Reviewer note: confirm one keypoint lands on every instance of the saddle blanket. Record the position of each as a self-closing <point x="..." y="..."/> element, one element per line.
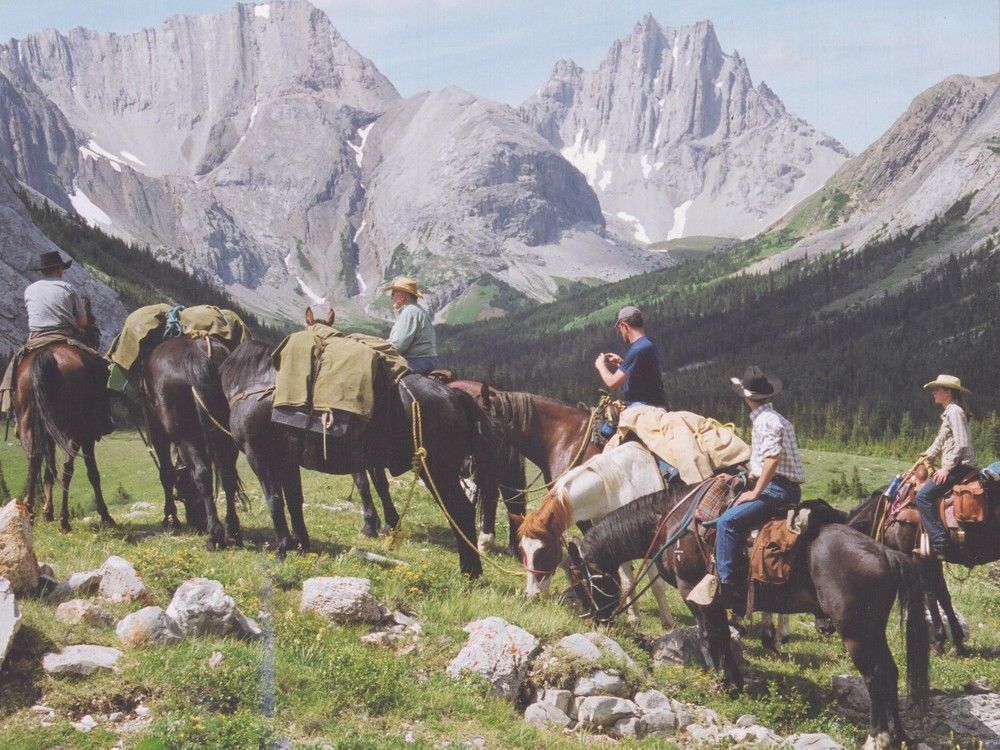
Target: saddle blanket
<point x="321" y="370"/>
<point x="697" y="446"/>
<point x="626" y="473"/>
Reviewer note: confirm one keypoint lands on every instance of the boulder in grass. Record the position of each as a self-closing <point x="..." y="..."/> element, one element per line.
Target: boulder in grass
<point x="498" y="651"/>
<point x="77" y="585"/>
<point x="686" y="646"/>
<point x="342" y="599"/>
<point x="150" y="626"/>
<point x="10" y="618"/>
<point x="202" y="607"/>
<point x="592" y="648"/>
<point x="599" y="711"/>
<point x="546" y="716"/>
<point x="120" y="582"/>
<point x="83" y="612"/>
<point x="18" y="563"/>
<point x="82" y="660"/>
<point x="812" y="741"/>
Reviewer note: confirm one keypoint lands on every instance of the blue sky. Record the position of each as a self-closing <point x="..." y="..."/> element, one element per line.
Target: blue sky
<point x="849" y="67"/>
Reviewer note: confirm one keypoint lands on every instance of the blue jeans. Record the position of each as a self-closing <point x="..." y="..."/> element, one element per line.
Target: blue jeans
<point x="927" y="503"/>
<point x="732" y="527"/>
<point x="422" y="365"/>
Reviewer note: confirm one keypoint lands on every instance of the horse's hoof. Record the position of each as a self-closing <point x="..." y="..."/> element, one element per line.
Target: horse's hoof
<point x="64" y="527"/>
<point x="369" y="531"/>
<point x="938" y="649"/>
<point x="958" y="651"/>
<point x="49" y="516"/>
<point x="108" y="521"/>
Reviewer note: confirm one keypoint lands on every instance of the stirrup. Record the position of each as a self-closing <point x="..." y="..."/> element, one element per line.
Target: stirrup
<point x="705" y="590"/>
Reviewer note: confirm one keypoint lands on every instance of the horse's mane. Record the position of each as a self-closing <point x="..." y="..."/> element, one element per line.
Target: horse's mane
<point x="553" y="516"/>
<point x="249" y="363"/>
<point x="628" y="523"/>
<point x="514" y="408"/>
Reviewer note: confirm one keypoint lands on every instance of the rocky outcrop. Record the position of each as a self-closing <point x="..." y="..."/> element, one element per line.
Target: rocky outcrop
<point x="499" y="652"/>
<point x="18" y="564"/>
<point x="150" y="626"/>
<point x="675" y="138"/>
<point x="202" y="607"/>
<point x="342" y="599"/>
<point x="10" y="618"/>
<point x="82" y="660"/>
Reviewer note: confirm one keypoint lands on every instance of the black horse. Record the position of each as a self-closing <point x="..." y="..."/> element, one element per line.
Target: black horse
<point x="841" y="572"/>
<point x="180" y="395"/>
<point x="373" y="524"/>
<point x="452" y="427"/>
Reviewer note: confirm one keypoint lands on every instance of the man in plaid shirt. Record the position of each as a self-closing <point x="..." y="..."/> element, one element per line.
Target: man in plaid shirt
<point x="776" y="473"/>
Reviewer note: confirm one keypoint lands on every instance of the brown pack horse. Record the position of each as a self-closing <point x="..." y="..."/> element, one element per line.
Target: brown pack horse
<point x="982" y="545"/>
<point x="841" y="572"/>
<point x="60" y="400"/>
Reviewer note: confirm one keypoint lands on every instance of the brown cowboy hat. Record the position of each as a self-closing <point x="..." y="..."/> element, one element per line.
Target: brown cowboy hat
<point x="948" y="381"/>
<point x="756" y="384"/>
<point x="52" y="259"/>
<point x="404" y="284"/>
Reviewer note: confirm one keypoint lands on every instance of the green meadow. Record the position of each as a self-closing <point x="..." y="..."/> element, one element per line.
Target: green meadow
<point x="313" y="684"/>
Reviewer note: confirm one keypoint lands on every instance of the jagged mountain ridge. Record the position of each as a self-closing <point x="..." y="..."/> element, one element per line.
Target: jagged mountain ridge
<point x="233" y="144"/>
<point x="939" y="158"/>
<point x="675" y="138"/>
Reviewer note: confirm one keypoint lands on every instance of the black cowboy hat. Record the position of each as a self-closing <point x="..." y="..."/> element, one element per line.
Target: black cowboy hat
<point x="756" y="384"/>
<point x="52" y="259"/>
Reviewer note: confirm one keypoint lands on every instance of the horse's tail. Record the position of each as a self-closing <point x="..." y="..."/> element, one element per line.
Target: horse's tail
<point x="212" y="408"/>
<point x="43" y="375"/>
<point x="486" y="451"/>
<point x="911" y="611"/>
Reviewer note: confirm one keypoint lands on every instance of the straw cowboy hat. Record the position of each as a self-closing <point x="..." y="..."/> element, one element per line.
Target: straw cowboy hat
<point x="948" y="381"/>
<point x="50" y="260"/>
<point x="756" y="384"/>
<point x="404" y="284"/>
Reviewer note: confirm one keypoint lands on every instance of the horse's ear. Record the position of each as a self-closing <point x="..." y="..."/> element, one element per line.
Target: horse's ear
<point x="516" y="518"/>
<point x="330" y="315"/>
<point x="310" y="318"/>
<point x="484" y="394"/>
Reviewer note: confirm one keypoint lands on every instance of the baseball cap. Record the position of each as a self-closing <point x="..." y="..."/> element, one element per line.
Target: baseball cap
<point x="625" y="313"/>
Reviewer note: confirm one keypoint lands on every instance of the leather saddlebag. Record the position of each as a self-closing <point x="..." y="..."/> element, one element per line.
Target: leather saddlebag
<point x="773" y="553"/>
<point x="970" y="502"/>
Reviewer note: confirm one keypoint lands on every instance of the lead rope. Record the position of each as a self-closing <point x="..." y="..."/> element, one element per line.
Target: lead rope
<point x="419" y="463"/>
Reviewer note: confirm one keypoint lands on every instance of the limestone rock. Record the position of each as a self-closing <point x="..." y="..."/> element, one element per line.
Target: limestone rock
<point x="850" y="692"/>
<point x="546" y="715"/>
<point x="342" y="599"/>
<point x="18" y="563"/>
<point x="77" y="585"/>
<point x="686" y="646"/>
<point x="561" y="699"/>
<point x="601" y="683"/>
<point x="661" y="721"/>
<point x="498" y="651"/>
<point x="120" y="582"/>
<point x="651" y="700"/>
<point x="83" y="612"/>
<point x="10" y="618"/>
<point x="593" y="648"/>
<point x="632" y="727"/>
<point x="202" y="607"/>
<point x="601" y="711"/>
<point x="150" y="626"/>
<point x="812" y="741"/>
<point x="85" y="724"/>
<point x="81" y="660"/>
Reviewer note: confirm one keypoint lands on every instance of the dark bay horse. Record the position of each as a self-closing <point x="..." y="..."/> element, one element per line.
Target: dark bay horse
<point x="841" y="572"/>
<point x="453" y="428"/>
<point x="60" y="400"/>
<point x="982" y="546"/>
<point x="175" y="375"/>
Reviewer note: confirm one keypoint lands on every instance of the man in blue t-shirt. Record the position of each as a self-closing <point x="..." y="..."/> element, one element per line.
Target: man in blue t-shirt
<point x="639" y="371"/>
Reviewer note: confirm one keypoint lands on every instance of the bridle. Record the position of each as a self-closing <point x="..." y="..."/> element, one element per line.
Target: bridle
<point x="591" y="587"/>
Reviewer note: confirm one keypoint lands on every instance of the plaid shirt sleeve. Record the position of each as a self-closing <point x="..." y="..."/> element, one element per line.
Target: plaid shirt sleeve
<point x="769" y="436"/>
<point x="961" y="441"/>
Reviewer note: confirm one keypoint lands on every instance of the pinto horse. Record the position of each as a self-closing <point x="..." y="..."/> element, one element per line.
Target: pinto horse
<point x="175" y="376"/>
<point x="982" y="545"/>
<point x="841" y="572"/>
<point x="60" y="399"/>
<point x="453" y="428"/>
<point x="581" y="495"/>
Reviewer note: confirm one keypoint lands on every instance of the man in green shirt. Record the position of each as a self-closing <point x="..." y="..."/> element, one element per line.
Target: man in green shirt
<point x="413" y="333"/>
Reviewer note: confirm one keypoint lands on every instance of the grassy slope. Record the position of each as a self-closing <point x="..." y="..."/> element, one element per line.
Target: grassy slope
<point x="329" y="688"/>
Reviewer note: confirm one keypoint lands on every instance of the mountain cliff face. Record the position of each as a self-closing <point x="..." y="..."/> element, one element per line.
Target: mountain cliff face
<point x="20" y="246"/>
<point x="235" y="146"/>
<point x="940" y="161"/>
<point x="677" y="141"/>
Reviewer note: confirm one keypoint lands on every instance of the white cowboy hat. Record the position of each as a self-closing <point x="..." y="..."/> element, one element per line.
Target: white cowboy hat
<point x="948" y="381"/>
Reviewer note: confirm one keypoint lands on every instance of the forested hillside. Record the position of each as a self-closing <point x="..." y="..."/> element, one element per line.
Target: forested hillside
<point x="851" y="338"/>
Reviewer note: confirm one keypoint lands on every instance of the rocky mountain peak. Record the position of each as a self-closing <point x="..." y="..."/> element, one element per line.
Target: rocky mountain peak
<point x="675" y="138"/>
